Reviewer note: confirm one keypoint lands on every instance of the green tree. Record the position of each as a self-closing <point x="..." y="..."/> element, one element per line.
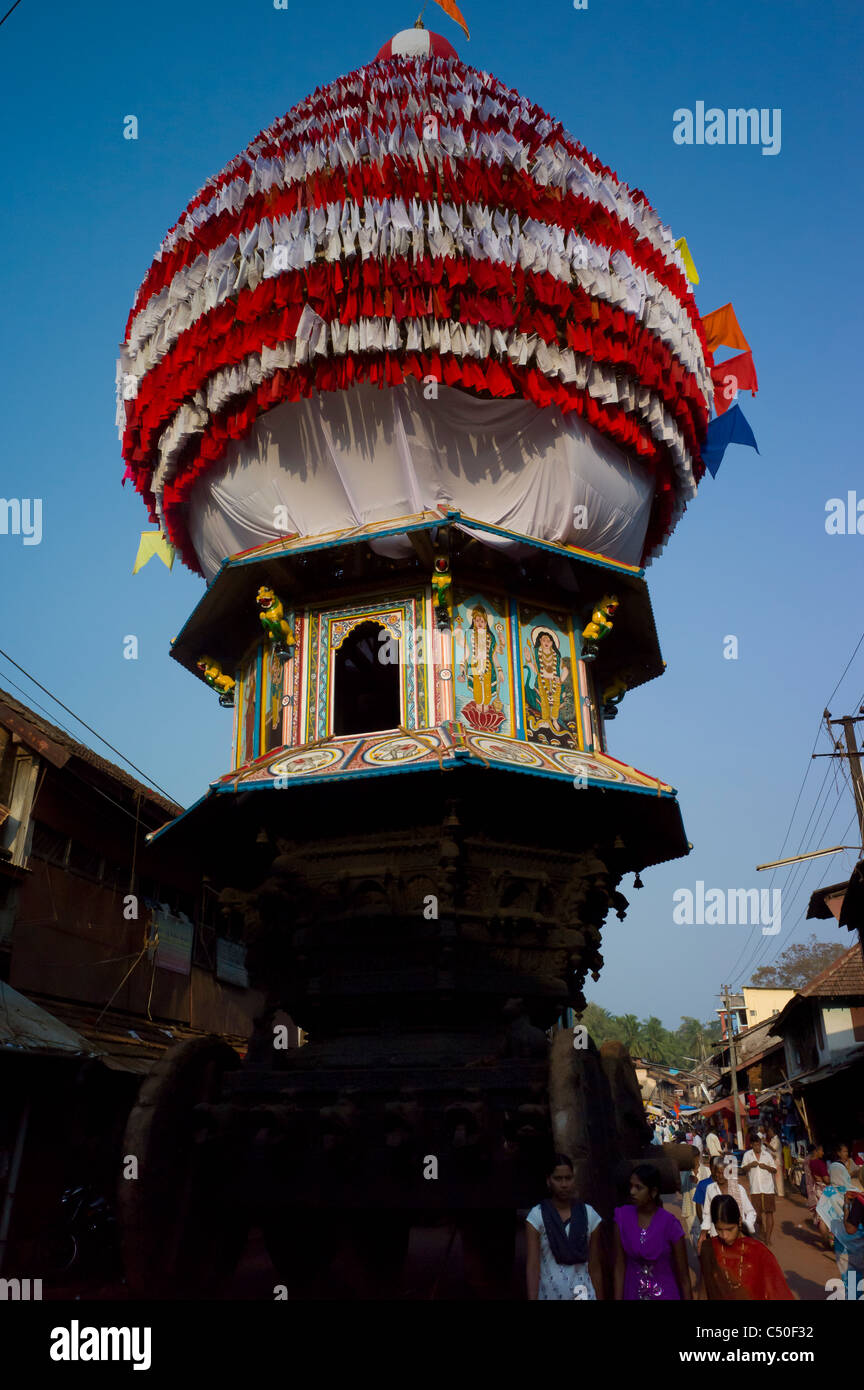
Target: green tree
<point x="686" y="1038"/>
<point x="691" y="1040"/>
<point x="798" y="965"/>
<point x="655" y="1040"/>
<point x="629" y="1031"/>
<point x="600" y="1023"/>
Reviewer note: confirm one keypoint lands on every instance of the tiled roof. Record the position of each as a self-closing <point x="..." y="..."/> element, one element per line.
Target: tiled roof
<point x="127" y="1042"/>
<point x="844" y="976"/>
<point x="80" y="750"/>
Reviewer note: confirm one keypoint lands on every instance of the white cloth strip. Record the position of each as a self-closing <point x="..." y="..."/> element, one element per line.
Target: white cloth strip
<point x="387" y="228"/>
<point x="311" y="147"/>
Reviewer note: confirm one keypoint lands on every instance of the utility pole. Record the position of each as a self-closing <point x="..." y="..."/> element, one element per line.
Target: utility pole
<point x="733" y="1062"/>
<point x="853" y="753"/>
<point x="855" y="767"/>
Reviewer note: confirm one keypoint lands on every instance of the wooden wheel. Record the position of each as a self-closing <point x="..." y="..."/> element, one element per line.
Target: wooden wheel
<point x="181" y="1232"/>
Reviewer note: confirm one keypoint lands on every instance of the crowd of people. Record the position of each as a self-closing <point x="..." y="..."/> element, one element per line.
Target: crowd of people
<point x="719" y="1250"/>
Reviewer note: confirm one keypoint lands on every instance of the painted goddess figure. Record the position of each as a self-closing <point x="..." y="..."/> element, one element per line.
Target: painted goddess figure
<point x="544" y="681"/>
<point x="480" y="672"/>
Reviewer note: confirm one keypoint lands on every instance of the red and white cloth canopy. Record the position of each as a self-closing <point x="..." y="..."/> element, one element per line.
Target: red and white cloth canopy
<point x="416" y="218"/>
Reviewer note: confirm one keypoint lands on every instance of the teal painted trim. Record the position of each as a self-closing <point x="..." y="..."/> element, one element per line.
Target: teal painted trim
<point x="333" y="543"/>
<point x="169" y="825"/>
<point x="469" y="523"/>
<point x="518" y="688"/>
<point x="586" y="558"/>
<point x="452" y="758"/>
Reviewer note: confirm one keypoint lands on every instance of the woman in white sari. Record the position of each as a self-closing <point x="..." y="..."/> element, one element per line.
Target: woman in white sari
<point x="841" y="1216"/>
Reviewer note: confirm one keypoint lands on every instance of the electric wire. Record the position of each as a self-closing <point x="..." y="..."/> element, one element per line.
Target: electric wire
<point x="9" y="11"/>
<point x="88" y="727"/>
<point x="759" y="953"/>
<point x="762" y="956"/>
<point x="744" y="951"/>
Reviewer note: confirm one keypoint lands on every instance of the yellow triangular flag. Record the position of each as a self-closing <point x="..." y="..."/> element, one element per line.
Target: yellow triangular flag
<point x="690" y="269"/>
<point x="153" y="543"/>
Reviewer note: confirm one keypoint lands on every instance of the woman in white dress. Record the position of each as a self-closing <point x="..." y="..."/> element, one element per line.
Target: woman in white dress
<point x="562" y="1245"/>
<point x="725" y="1184"/>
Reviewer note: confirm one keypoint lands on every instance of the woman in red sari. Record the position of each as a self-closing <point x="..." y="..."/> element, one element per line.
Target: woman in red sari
<point x="736" y="1267"/>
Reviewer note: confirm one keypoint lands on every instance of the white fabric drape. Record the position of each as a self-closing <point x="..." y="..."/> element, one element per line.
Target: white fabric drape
<point x="364" y="456"/>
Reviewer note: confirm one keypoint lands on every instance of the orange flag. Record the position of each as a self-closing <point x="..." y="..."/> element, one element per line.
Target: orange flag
<point x="449" y="8"/>
<point x="723" y="330"/>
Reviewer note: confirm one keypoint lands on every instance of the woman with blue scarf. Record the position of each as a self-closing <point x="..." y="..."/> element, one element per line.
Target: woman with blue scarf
<point x="562" y="1245"/>
<point x="840" y="1213"/>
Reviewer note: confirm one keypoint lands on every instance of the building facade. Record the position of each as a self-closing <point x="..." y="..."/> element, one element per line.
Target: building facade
<point x="110" y="953"/>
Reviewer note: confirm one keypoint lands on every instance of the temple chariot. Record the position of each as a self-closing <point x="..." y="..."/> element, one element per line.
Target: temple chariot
<point x="418" y="386"/>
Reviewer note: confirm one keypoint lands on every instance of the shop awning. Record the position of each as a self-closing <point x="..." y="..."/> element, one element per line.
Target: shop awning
<point x="724" y="1104"/>
<point x="122" y="1042"/>
<point x="127" y="1042"/>
<point x="25" y="1027"/>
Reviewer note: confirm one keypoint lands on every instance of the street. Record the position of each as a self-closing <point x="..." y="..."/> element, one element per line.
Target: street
<point x="433" y="1267"/>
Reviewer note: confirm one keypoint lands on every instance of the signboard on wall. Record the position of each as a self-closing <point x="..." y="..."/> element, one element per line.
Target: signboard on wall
<point x="231" y="963"/>
<point x="173" y="941"/>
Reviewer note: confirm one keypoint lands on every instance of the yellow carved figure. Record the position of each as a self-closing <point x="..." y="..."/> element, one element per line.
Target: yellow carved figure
<point x="214" y="675"/>
<point x="601" y="619"/>
<point x="272" y="616"/>
<point x="614" y="693"/>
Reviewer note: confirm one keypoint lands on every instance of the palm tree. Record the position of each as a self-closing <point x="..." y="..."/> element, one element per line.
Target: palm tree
<point x="599" y="1022"/>
<point x="630" y="1030"/>
<point x="684" y="1043"/>
<point x="655" y="1040"/>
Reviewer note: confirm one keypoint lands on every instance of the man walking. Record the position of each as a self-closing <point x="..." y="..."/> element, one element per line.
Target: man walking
<point x="776" y="1147"/>
<point x="715" y="1148"/>
<point x="760" y="1168"/>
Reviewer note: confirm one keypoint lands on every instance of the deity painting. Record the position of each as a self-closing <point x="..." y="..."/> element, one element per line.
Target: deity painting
<point x="481" y="664"/>
<point x="274" y="710"/>
<point x="550" y="714"/>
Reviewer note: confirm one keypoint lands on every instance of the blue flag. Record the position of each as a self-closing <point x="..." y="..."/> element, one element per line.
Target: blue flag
<point x="729" y="428"/>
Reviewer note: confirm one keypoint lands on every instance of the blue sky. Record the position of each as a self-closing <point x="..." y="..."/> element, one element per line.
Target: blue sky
<point x="83" y="211"/>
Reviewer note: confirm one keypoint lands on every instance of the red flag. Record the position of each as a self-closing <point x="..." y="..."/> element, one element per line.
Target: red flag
<point x="722" y="329"/>
<point x="735" y="374"/>
<point x="449" y="8"/>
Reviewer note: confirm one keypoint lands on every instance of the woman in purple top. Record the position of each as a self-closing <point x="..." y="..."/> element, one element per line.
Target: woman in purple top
<point x="650" y="1255"/>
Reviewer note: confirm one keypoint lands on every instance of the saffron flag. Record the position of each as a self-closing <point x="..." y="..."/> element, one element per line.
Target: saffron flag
<point x="153" y="543"/>
<point x="735" y="374"/>
<point x="729" y="428"/>
<point x="450" y="8"/>
<point x="689" y="267"/>
<point x="723" y="330"/>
